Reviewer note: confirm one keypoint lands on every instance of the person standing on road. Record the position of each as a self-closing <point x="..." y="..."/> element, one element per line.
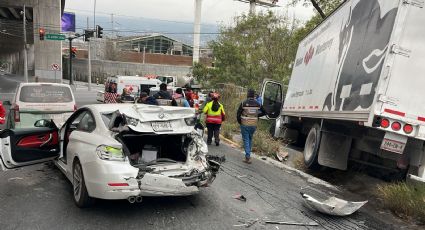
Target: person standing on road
<point x="180" y="100"/>
<point x="163" y="97"/>
<point x="2" y="114"/>
<point x="247" y="116"/>
<point x="215" y="116"/>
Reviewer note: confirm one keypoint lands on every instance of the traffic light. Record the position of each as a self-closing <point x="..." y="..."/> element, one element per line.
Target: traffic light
<point x="73" y="52"/>
<point x="99" y="31"/>
<point x="88" y="34"/>
<point x="41" y="32"/>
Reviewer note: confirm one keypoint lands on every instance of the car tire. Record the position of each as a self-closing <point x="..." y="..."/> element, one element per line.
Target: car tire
<point x="79" y="189"/>
<point x="311" y="148"/>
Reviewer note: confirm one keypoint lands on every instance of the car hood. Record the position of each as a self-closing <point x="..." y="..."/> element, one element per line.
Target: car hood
<point x="139" y="118"/>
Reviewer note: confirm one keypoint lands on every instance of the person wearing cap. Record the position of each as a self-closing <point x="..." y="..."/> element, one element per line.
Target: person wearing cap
<point x="247" y="116"/>
<point x="214" y="111"/>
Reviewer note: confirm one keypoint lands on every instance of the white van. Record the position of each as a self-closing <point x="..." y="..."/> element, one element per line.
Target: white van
<point x="115" y="85"/>
<point x="35" y="101"/>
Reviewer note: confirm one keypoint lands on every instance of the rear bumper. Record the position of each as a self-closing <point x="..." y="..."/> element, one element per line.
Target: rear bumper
<point x="99" y="176"/>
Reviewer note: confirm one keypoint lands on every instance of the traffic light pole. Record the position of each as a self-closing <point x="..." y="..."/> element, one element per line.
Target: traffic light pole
<point x="71" y="80"/>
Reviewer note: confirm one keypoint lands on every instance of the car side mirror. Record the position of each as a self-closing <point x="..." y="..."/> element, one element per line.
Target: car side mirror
<point x="43" y="123"/>
<point x="7" y="103"/>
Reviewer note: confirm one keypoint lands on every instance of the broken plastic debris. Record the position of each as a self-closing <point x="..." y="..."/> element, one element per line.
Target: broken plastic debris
<point x="291" y="223"/>
<point x="240" y="197"/>
<point x="282" y="156"/>
<point x="332" y="206"/>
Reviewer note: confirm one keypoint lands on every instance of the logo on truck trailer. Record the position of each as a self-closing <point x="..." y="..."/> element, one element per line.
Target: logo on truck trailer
<point x="309" y="55"/>
<point x="363" y="41"/>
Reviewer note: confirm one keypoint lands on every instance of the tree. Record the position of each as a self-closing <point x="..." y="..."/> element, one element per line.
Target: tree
<point x="323" y="7"/>
<point x="201" y="73"/>
<point x="257" y="47"/>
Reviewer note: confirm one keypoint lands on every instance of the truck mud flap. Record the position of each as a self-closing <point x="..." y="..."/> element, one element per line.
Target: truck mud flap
<point x="334" y="149"/>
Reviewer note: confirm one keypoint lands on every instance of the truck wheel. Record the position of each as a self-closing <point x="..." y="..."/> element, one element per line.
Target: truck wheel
<point x="311" y="148"/>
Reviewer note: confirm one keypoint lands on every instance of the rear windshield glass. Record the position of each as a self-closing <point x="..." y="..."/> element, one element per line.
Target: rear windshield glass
<point x="45" y="94"/>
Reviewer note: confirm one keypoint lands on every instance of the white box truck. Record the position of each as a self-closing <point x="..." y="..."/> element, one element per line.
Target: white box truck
<point x="357" y="89"/>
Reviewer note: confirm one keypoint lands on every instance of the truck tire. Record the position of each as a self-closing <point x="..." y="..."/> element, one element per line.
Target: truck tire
<point x="311" y="148"/>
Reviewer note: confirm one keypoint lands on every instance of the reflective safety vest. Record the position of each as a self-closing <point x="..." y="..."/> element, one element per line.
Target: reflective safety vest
<point x="249" y="115"/>
<point x="214" y="117"/>
<point x="164" y="102"/>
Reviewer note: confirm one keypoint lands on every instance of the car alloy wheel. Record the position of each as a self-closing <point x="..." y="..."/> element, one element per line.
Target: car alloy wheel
<point x="77" y="181"/>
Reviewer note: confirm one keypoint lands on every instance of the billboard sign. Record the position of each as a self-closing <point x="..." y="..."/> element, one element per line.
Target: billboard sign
<point x="267" y="2"/>
<point x="68" y="22"/>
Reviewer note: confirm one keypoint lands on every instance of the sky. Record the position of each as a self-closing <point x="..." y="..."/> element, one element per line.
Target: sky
<point x="213" y="11"/>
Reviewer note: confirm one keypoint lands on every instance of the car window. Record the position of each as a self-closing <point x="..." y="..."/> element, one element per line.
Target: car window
<point x="45" y="94"/>
<point x="86" y="123"/>
<point x="106" y="118"/>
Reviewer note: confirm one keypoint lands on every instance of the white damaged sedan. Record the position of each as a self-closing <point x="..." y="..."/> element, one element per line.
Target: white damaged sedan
<point x="118" y="151"/>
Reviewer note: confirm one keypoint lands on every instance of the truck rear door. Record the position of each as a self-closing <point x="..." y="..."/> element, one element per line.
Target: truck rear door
<point x="403" y="99"/>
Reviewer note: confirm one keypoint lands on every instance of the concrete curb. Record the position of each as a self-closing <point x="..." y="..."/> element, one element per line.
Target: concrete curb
<point x="275" y="163"/>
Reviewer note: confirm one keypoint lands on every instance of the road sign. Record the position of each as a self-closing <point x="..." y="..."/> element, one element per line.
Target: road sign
<point x="56" y="67"/>
<point x="57" y="37"/>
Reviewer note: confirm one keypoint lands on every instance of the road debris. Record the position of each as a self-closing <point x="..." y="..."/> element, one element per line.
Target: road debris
<point x="263" y="158"/>
<point x="282" y="156"/>
<point x="241" y="176"/>
<point x="15" y="178"/>
<point x="291" y="223"/>
<point x="332" y="206"/>
<point x="246" y="224"/>
<point x="240" y="197"/>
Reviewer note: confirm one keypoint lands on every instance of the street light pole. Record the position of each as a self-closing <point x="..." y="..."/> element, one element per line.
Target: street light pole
<point x="25" y="46"/>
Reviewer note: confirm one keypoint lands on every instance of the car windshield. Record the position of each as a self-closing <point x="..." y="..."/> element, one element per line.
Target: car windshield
<point x="45" y="94"/>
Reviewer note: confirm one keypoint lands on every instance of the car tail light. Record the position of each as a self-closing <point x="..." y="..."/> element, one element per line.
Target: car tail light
<point x="75" y="107"/>
<point x="117" y="184"/>
<point x="385" y="123"/>
<point x="16" y="114"/>
<point x="408" y="128"/>
<point x="396" y="126"/>
<point x="110" y="153"/>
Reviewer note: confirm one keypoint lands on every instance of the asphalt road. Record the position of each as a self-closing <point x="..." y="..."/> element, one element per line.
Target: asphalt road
<point x="40" y="197"/>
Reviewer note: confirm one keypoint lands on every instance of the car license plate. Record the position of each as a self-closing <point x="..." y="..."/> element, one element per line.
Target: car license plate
<point x="394" y="143"/>
<point x="162" y="126"/>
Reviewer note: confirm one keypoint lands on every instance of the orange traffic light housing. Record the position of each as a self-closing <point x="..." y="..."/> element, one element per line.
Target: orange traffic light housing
<point x="41" y="32"/>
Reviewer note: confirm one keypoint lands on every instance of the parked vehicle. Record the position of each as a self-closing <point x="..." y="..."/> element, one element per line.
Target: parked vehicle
<point x="356" y="90"/>
<point x="134" y="151"/>
<point x="179" y="81"/>
<point x="35" y="101"/>
<point x="115" y="85"/>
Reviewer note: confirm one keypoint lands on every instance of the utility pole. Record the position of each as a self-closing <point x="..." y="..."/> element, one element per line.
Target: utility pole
<point x="25" y="46"/>
<point x="144" y="54"/>
<point x="197" y="30"/>
<point x="252" y="6"/>
<point x="113" y="26"/>
<point x="89" y="64"/>
<point x="94" y="26"/>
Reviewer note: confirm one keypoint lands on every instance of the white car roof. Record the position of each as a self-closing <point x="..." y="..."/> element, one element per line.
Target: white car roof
<point x="42" y="83"/>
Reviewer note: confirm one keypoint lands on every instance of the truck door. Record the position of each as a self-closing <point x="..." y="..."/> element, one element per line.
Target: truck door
<point x="22" y="147"/>
<point x="272" y="95"/>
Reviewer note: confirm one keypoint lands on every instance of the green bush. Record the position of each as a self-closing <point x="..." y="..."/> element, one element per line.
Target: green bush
<point x="404" y="200"/>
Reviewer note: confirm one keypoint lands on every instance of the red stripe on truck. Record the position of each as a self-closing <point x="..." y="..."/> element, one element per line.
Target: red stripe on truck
<point x="421" y="119"/>
<point x="395" y="112"/>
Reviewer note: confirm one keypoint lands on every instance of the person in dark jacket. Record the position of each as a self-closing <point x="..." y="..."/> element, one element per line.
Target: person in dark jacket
<point x="163" y="93"/>
<point x="247" y="116"/>
<point x="146" y="99"/>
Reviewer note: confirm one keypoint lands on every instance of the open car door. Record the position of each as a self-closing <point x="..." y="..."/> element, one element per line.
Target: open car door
<point x="22" y="147"/>
<point x="272" y="95"/>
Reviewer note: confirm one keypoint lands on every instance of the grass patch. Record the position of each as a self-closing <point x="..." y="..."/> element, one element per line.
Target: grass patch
<point x="406" y="201"/>
<point x="264" y="144"/>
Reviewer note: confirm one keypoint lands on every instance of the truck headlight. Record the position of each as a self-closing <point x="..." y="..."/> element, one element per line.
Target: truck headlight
<point x="110" y="153"/>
